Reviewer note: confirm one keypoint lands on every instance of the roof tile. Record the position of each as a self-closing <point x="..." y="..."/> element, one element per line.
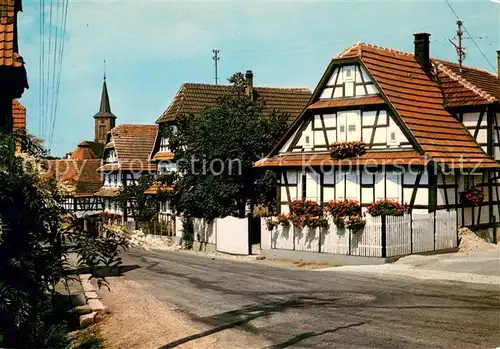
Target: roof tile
<point x="193" y="98"/>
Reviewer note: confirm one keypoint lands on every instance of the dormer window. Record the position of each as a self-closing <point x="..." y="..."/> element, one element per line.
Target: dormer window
<point x="111" y="156"/>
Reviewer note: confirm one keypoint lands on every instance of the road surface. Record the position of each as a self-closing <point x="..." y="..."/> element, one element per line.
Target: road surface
<point x="255" y="305"/>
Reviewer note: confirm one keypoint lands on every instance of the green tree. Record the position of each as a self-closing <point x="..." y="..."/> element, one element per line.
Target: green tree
<point x="142" y="206"/>
<point x="215" y="151"/>
<point x="37" y="238"/>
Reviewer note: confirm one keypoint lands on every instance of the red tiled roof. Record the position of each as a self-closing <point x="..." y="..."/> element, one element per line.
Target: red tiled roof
<point x="471" y="86"/>
<point x="324" y="159"/>
<point x="346" y="102"/>
<point x="193" y="98"/>
<point x="80" y="176"/>
<point x="128" y="166"/>
<point x="83" y="151"/>
<point x="8" y="16"/>
<point x="419" y="102"/>
<point x="133" y="145"/>
<point x="19" y="115"/>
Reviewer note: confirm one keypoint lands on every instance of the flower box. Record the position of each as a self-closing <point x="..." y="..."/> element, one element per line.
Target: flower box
<point x="386" y="207"/>
<point x="472" y="197"/>
<point x="345" y="150"/>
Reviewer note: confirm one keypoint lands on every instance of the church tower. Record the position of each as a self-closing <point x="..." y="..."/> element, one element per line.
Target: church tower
<point x="104" y="120"/>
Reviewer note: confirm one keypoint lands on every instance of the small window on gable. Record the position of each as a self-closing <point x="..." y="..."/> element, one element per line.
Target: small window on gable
<point x="352" y="128"/>
<point x="348" y="74"/>
<point x="342" y="128"/>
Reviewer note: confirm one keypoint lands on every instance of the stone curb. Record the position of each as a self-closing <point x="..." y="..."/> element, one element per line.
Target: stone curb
<point x="92" y="298"/>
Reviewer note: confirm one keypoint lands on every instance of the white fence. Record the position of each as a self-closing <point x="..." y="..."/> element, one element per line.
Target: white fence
<point x="381" y="237"/>
<point x="228" y="234"/>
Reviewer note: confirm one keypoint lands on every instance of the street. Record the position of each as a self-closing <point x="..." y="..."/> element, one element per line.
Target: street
<point x="253" y="305"/>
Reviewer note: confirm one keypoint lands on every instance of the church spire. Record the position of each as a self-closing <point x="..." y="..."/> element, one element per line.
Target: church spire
<point x="104" y="119"/>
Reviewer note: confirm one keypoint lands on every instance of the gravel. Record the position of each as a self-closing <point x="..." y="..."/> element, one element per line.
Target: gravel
<point x="140" y="321"/>
<point x="470" y="242"/>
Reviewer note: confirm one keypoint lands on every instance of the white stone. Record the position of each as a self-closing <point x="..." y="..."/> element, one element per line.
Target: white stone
<point x="87" y="319"/>
<point x="96" y="305"/>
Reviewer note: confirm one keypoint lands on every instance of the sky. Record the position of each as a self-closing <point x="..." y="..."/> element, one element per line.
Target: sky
<point x="152" y="47"/>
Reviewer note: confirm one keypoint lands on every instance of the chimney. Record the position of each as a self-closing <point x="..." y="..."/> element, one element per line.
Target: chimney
<point x="422" y="54"/>
<point x="498" y="64"/>
<point x="249" y="86"/>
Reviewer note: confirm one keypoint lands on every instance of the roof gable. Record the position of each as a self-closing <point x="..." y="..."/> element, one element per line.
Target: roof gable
<point x="417" y="101"/>
<point x="193" y="98"/>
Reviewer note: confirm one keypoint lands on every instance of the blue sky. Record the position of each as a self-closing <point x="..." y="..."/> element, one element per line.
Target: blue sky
<point x="152" y="47"/>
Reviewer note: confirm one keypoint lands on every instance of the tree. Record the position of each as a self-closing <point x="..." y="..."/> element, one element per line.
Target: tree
<point x="215" y="151"/>
<point x="34" y="250"/>
<point x="142" y="206"/>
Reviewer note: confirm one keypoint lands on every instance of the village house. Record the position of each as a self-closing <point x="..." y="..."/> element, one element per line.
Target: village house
<point x="426" y="131"/>
<point x="193" y="98"/>
<point x="13" y="79"/>
<point x="125" y="160"/>
<point x="431" y="132"/>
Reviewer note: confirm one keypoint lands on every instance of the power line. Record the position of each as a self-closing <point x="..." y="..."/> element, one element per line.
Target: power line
<point x="59" y="58"/>
<point x="471" y="37"/>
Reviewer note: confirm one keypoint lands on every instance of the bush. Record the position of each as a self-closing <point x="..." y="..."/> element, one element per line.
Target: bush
<point x="387" y="208"/>
<point x="188" y="231"/>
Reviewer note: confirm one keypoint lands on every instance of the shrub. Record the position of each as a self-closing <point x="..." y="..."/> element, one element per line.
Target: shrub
<point x="387" y="208"/>
<point x="344" y="150"/>
<point x="187" y="231"/>
<point x="279" y="219"/>
<point x="472" y="197"/>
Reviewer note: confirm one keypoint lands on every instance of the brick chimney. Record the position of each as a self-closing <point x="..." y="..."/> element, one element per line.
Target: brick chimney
<point x="422" y="51"/>
<point x="498" y="64"/>
<point x="249" y="86"/>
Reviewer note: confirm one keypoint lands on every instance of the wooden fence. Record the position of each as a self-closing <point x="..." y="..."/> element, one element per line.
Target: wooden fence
<point x="381" y="237"/>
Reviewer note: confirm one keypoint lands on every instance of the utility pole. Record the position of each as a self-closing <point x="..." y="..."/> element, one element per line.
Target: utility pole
<point x="216" y="60"/>
<point x="460" y="49"/>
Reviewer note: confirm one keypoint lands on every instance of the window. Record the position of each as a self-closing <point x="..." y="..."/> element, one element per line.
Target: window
<point x="348" y="74"/>
<point x="352" y="128"/>
<point x="164" y="145"/>
<point x="102" y="131"/>
<point x="342" y="128"/>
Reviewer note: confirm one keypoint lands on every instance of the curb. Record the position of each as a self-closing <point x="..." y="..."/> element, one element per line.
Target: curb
<point x="93" y="302"/>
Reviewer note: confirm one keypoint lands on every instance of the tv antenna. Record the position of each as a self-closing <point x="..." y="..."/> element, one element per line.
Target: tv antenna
<point x="216" y="60"/>
<point x="458" y="45"/>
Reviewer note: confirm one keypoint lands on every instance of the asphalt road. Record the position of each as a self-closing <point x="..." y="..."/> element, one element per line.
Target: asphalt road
<point x="289" y="308"/>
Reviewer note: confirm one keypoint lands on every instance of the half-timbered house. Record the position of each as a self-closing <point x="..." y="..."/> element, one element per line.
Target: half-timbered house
<point x="79" y="180"/>
<point x="193" y="98"/>
<point x="430" y="131"/>
<point x="125" y="159"/>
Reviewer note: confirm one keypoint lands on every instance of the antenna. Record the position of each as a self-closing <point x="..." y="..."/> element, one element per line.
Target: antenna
<point x="458" y="46"/>
<point x="216" y="60"/>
